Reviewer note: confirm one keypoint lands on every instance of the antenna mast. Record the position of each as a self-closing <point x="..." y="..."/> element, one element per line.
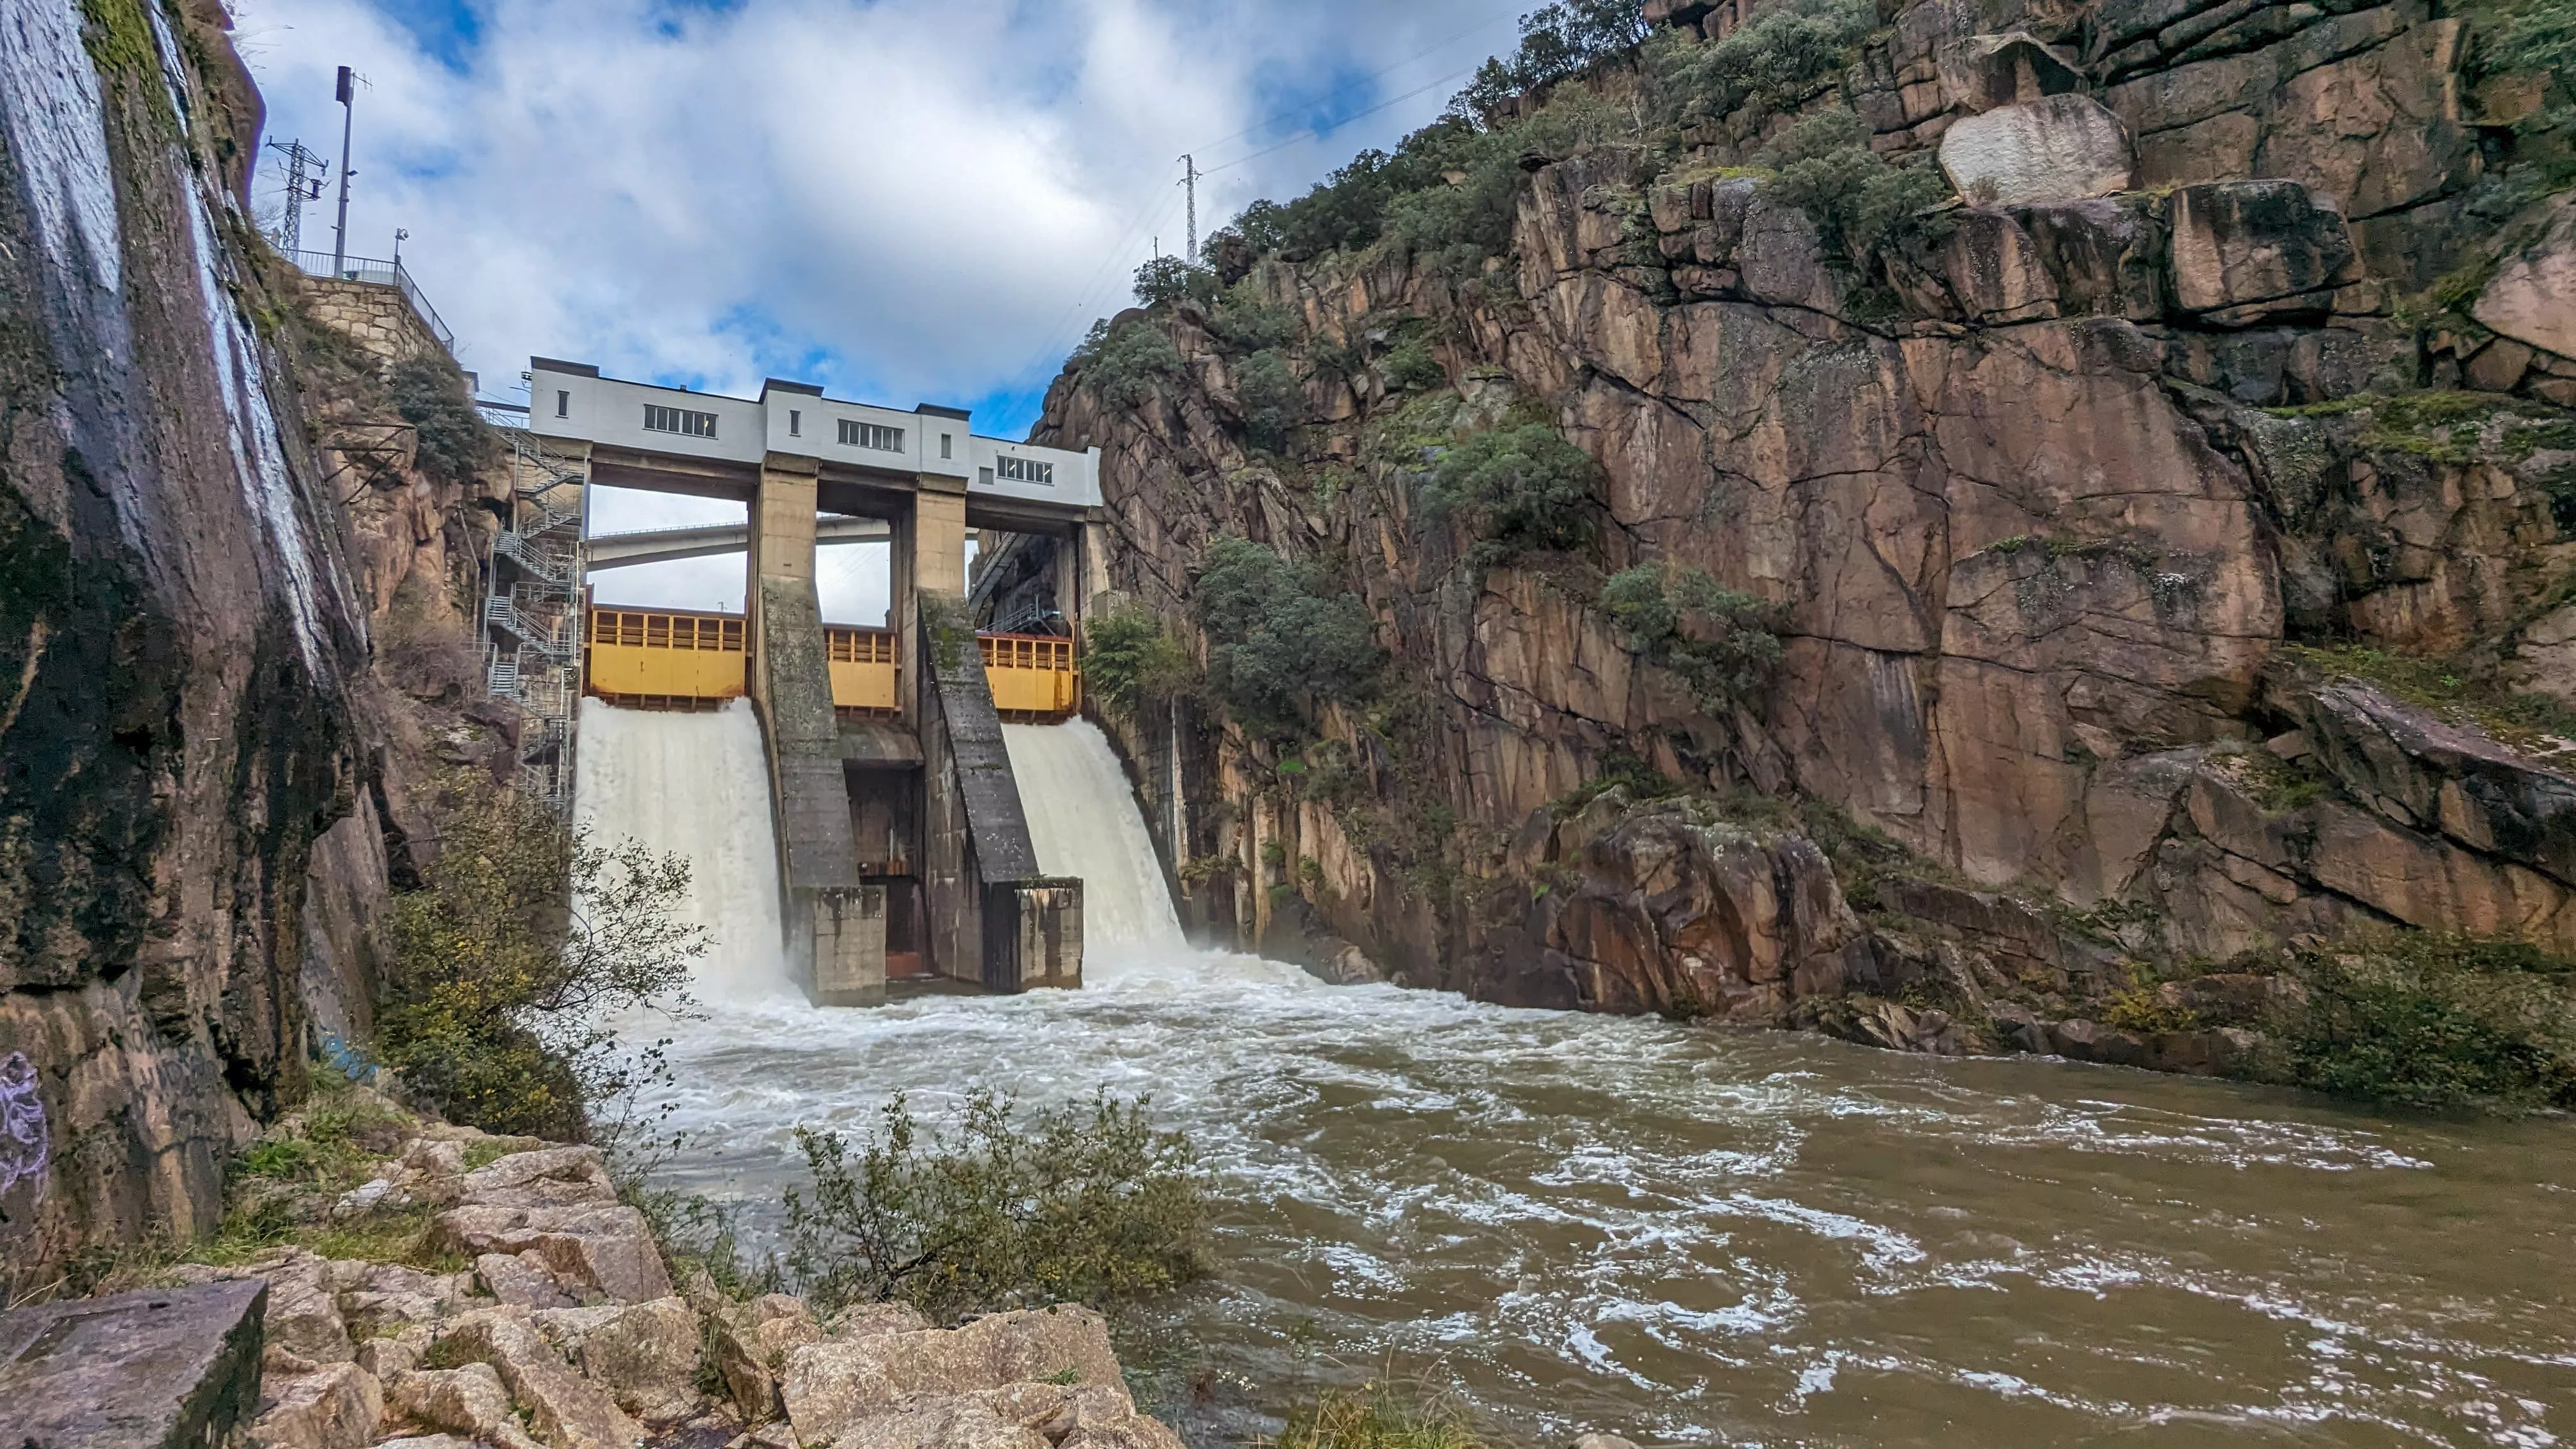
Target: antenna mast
<point x="1190" y="178"/>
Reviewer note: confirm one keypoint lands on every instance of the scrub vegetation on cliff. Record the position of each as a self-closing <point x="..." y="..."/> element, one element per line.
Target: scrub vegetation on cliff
<point x="2159" y="569"/>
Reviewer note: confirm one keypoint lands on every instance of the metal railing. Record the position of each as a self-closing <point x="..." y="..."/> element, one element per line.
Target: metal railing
<point x="383" y="274"/>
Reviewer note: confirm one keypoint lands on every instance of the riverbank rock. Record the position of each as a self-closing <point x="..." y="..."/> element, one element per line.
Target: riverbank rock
<point x="177" y="1367"/>
<point x="1009" y="1380"/>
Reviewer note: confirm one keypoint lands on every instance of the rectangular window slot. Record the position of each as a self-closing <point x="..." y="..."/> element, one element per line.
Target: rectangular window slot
<point x="563" y="404"/>
<point x="795" y="423"/>
<point x="869" y="435"/>
<point x="945" y="440"/>
<point x="679" y="420"/>
<point x="1025" y="470"/>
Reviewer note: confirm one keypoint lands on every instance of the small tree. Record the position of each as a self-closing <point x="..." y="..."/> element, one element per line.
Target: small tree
<point x="1281" y="633"/>
<point x="1131" y="662"/>
<point x="1722" y="642"/>
<point x="509" y="963"/>
<point x="454" y="440"/>
<point x="1082" y="1207"/>
<point x="1174" y="279"/>
<point x="1272" y="400"/>
<point x="1534" y="490"/>
<point x="1130" y="362"/>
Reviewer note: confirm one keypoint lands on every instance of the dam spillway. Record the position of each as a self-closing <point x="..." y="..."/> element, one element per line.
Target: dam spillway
<point x="695" y="785"/>
<point x="1085" y="824"/>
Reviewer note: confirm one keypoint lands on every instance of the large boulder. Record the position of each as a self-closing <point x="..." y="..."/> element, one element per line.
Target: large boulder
<point x="2058" y="148"/>
<point x="2245" y="250"/>
<point x="469" y="1400"/>
<point x="565" y="1409"/>
<point x="2532" y="296"/>
<point x="164" y="1368"/>
<point x="335" y="1407"/>
<point x="837" y="1384"/>
<point x="604" y="1246"/>
<point x="646" y="1354"/>
<point x="2428" y="772"/>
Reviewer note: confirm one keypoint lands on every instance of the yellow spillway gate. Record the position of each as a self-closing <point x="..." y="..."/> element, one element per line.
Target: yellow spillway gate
<point x="1034" y="676"/>
<point x="866" y="683"/>
<point x="664" y="659"/>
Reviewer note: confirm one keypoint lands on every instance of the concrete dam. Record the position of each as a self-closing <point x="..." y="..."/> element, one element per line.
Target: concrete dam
<point x="848" y="796"/>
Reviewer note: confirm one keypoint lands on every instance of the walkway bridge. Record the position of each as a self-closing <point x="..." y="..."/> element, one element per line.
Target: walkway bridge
<point x="903" y="845"/>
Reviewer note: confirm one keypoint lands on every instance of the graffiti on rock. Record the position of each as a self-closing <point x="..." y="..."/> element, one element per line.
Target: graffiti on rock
<point x="26" y="1140"/>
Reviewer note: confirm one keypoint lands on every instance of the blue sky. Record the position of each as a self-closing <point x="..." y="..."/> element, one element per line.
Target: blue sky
<point x="904" y="201"/>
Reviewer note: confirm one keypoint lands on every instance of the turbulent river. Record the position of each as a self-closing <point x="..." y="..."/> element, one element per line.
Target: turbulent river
<point x="1688" y="1235"/>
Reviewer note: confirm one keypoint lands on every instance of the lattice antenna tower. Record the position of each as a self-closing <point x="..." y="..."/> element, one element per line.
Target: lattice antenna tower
<point x="1190" y="174"/>
<point x="305" y="173"/>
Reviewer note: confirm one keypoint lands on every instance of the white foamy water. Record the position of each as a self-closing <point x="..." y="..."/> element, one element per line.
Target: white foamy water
<point x="696" y="785"/>
<point x="1696" y="1236"/>
<point x="1084" y="822"/>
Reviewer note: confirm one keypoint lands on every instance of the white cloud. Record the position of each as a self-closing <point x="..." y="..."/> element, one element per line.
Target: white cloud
<point x="905" y="201"/>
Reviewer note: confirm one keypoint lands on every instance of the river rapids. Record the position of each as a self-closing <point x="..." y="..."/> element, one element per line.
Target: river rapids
<point x="1682" y="1235"/>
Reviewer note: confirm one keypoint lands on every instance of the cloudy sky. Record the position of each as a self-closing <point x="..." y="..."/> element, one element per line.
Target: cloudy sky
<point x="904" y="201"/>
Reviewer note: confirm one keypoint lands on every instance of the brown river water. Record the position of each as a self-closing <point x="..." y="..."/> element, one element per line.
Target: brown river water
<point x="1679" y="1234"/>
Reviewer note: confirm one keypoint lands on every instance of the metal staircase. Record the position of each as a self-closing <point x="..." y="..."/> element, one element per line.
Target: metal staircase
<point x="531" y="624"/>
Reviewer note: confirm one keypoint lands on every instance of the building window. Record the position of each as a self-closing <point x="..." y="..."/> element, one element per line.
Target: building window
<point x="1025" y="470"/>
<point x="679" y="420"/>
<point x="563" y="404"/>
<point x="944" y="441"/>
<point x="795" y="423"/>
<point x="869" y="435"/>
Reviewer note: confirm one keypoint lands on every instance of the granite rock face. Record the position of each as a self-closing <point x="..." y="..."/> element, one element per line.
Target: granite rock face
<point x="2040" y="535"/>
<point x="207" y="578"/>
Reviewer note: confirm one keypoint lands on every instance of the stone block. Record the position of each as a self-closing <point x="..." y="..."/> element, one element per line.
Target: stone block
<point x="2237" y="244"/>
<point x="2532" y="297"/>
<point x="2060" y="148"/>
<point x="834" y="1386"/>
<point x="336" y="1407"/>
<point x="154" y="1370"/>
<point x="1987" y="72"/>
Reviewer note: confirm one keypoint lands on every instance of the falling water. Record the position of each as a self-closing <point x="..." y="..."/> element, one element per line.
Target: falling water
<point x="696" y="785"/>
<point x="1698" y="1236"/>
<point x="1084" y="822"/>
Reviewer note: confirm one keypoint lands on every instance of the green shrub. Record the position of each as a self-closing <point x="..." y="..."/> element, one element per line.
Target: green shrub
<point x="1410" y="367"/>
<point x="1174" y="279"/>
<point x="1531" y="488"/>
<point x="1784" y="56"/>
<point x="1132" y="663"/>
<point x="2438" y="1022"/>
<point x="507" y="964"/>
<point x="1245" y="324"/>
<point x="1272" y="400"/>
<point x="1859" y="200"/>
<point x="1280" y="634"/>
<point x="1723" y="643"/>
<point x="1557" y="42"/>
<point x="1129" y="363"/>
<point x="1080" y="1207"/>
<point x="454" y="440"/>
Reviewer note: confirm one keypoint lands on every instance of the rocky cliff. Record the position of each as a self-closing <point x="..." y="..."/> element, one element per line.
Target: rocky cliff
<point x="199" y="764"/>
<point x="2108" y="501"/>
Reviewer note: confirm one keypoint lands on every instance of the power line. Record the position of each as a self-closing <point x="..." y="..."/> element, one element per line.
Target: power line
<point x="1361" y="84"/>
<point x="1317" y="133"/>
